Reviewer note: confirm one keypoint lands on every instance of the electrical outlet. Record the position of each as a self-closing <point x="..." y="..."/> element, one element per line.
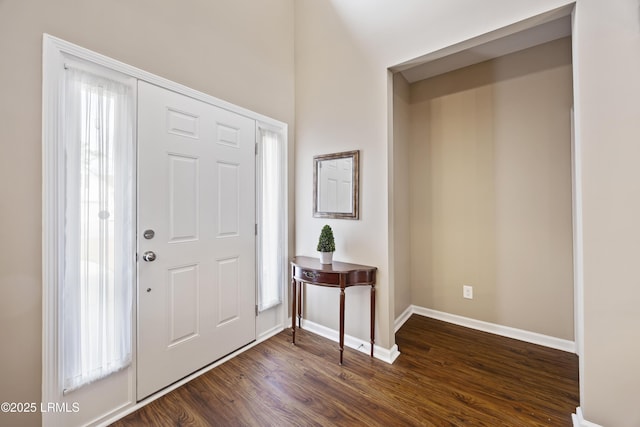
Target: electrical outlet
<point x="467" y="291"/>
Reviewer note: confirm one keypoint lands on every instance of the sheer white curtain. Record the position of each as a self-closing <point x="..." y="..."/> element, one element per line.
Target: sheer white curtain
<point x="96" y="292"/>
<point x="272" y="267"/>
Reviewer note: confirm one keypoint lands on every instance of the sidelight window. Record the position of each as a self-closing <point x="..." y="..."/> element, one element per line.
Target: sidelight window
<point x="95" y="304"/>
<point x="272" y="213"/>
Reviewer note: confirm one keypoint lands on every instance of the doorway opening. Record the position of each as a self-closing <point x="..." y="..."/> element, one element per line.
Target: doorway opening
<point x="484" y="183"/>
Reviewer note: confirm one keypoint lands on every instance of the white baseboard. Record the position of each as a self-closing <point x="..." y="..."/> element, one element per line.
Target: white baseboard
<point x="579" y="421"/>
<point x="403" y="318"/>
<point x="381" y="353"/>
<point x="269" y="333"/>
<point x="505" y="331"/>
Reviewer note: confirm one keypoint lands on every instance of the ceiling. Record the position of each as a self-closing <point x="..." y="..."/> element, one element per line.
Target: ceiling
<point x="489" y="46"/>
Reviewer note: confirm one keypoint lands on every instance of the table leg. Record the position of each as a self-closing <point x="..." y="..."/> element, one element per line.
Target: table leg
<point x="373" y="316"/>
<point x="301" y="285"/>
<point x="293" y="310"/>
<point x="341" y="323"/>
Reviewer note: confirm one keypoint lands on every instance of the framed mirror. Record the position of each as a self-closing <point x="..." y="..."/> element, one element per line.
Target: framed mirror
<point x="336" y="185"/>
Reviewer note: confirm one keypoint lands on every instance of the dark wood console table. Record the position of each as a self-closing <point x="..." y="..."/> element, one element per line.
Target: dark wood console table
<point x="337" y="275"/>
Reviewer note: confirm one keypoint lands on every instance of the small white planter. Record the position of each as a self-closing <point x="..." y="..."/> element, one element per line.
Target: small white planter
<point x="326" y="257"/>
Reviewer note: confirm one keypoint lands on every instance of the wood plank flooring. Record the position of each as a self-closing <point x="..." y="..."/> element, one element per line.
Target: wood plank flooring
<point x="446" y="375"/>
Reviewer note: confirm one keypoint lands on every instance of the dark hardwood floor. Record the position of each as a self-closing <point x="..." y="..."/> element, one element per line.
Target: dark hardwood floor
<point x="447" y="375"/>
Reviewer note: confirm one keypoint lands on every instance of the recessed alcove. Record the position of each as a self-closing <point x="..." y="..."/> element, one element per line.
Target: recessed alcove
<point x="481" y="166"/>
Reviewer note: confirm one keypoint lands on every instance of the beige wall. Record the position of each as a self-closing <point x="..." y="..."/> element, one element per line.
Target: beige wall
<point x="490" y="185"/>
<point x="401" y="229"/>
<point x="239" y="51"/>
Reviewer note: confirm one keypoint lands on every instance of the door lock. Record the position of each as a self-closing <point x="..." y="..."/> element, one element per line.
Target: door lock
<point x="149" y="256"/>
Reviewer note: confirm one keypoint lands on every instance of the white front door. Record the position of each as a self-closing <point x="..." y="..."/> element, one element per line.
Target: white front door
<point x="196" y="215"/>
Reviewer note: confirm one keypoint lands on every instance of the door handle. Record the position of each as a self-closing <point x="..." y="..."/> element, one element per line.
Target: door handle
<point x="149" y="256"/>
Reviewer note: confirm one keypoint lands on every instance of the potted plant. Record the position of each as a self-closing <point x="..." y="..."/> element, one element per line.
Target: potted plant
<point x="326" y="245"/>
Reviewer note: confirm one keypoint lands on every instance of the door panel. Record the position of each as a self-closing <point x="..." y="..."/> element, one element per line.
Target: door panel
<point x="184" y="198"/>
<point x="228" y="199"/>
<point x="196" y="191"/>
<point x="228" y="301"/>
<point x="184" y="322"/>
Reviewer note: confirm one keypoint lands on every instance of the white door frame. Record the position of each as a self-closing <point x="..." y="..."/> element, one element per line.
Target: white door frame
<point x="54" y="52"/>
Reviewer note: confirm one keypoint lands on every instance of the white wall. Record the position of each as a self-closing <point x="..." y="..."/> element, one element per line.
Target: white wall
<point x="341" y="104"/>
<point x="239" y="51"/>
<point x="607" y="66"/>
